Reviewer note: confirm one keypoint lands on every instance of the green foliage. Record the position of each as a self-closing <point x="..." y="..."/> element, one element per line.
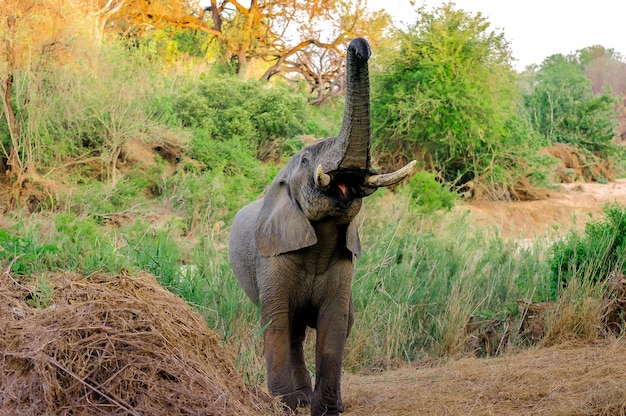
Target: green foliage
<point x="429" y="195"/>
<point x="212" y="269"/>
<point x="173" y="45"/>
<point x="594" y="255"/>
<point x="25" y="255"/>
<point x="216" y="194"/>
<point x="235" y="124"/>
<point x="325" y="120"/>
<point x="84" y="245"/>
<point x="448" y="95"/>
<point x="227" y="108"/>
<point x="155" y="252"/>
<point x="42" y="294"/>
<point x="134" y="188"/>
<point x="564" y="109"/>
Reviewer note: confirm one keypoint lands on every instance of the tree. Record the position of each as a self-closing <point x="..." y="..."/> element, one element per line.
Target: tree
<point x="564" y="108"/>
<point x="304" y="37"/>
<point x="320" y="55"/>
<point x="605" y="67"/>
<point x="447" y="95"/>
<point x="100" y="11"/>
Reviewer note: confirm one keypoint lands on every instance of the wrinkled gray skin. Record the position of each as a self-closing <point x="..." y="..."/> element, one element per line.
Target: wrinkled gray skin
<point x="294" y="250"/>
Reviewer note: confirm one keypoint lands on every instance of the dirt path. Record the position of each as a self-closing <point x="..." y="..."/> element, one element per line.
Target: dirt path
<point x="563" y="380"/>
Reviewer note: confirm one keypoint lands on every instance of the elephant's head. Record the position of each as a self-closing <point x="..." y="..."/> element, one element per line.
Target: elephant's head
<point x="327" y="179"/>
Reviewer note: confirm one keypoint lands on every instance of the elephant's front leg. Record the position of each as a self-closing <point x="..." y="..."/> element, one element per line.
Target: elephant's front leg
<point x="277" y="352"/>
<point x="300" y="373"/>
<point x="332" y="332"/>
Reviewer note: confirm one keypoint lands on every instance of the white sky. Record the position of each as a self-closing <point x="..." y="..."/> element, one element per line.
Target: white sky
<point x="536" y="29"/>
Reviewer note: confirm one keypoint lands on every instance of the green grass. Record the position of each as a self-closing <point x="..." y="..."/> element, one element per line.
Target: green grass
<point x="429" y="274"/>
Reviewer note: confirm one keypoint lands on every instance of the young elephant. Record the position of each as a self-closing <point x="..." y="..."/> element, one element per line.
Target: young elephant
<point x="294" y="250"/>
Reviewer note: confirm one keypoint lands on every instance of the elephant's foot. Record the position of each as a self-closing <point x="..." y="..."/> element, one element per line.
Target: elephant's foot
<point x="300" y="398"/>
<point x="304" y="397"/>
<point x="320" y="407"/>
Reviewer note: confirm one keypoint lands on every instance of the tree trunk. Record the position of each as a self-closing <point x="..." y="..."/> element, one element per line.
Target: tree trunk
<point x="242" y="62"/>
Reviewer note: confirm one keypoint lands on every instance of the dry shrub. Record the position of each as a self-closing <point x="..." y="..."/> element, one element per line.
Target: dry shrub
<point x="577" y="314"/>
<point x="114" y="345"/>
<point x="519" y="190"/>
<point x="602" y="169"/>
<point x="523" y="190"/>
<point x="29" y="192"/>
<point x="577" y="167"/>
<point x="157" y="141"/>
<point x="487" y="337"/>
<point x="585" y="313"/>
<point x="615" y="304"/>
<point x="533" y="324"/>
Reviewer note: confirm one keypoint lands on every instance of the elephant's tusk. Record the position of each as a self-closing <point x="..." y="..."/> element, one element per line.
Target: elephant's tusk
<point x="322" y="180"/>
<point x="392" y="178"/>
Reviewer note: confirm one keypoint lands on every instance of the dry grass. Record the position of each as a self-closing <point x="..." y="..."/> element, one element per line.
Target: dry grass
<point x="568" y="379"/>
<point x="112" y="345"/>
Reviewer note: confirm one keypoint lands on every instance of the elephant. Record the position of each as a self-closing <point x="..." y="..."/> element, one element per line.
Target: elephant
<point x="294" y="250"/>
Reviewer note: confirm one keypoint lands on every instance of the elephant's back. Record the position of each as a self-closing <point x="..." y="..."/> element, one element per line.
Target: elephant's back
<point x="244" y="223"/>
<point x="242" y="248"/>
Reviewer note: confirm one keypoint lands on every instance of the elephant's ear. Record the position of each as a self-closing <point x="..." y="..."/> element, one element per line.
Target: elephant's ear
<point x="353" y="242"/>
<point x="282" y="226"/>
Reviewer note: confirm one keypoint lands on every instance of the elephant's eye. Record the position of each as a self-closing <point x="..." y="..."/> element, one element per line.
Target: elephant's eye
<point x="304" y="160"/>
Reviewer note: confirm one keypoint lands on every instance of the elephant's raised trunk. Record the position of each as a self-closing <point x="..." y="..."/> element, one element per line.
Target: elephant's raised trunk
<point x="355" y="135"/>
<point x="348" y="165"/>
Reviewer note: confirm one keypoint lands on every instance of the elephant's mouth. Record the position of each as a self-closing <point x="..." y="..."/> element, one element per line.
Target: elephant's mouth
<point x="347" y="185"/>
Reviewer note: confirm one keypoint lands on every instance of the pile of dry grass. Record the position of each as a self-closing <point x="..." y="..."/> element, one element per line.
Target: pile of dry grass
<point x="114" y="345"/>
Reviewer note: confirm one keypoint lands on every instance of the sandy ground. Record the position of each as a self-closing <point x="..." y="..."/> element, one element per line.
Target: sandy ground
<point x="569" y="205"/>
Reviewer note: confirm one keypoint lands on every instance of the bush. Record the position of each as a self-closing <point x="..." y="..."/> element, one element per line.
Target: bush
<point x="446" y="95"/>
<point x="325" y="120"/>
<point x="227" y="108"/>
<point x="429" y="195"/>
<point x="85" y="113"/>
<point x="594" y="255"/>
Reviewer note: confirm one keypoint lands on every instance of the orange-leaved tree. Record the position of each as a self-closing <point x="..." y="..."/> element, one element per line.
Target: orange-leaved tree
<point x="305" y="37"/>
